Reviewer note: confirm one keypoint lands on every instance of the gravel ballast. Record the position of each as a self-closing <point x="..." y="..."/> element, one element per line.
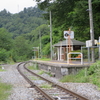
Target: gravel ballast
<point x="21" y="89"/>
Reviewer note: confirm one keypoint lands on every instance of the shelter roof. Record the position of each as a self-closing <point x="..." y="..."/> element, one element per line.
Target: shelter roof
<point x="67" y="42"/>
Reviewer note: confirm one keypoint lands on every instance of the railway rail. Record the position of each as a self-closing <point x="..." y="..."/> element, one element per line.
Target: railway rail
<point x="57" y="92"/>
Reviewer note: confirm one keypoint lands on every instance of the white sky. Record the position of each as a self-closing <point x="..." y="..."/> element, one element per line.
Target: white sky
<point x="15" y="6"/>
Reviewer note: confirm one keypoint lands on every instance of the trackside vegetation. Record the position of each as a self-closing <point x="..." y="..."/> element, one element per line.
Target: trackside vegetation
<point x="34" y="67"/>
<point x="4" y="90"/>
<point x="47" y="86"/>
<point x="90" y="75"/>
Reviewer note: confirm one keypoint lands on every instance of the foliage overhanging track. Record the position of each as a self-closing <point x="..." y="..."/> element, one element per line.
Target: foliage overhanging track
<point x="54" y="84"/>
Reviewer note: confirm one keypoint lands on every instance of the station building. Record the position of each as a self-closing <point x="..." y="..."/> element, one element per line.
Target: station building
<point x="62" y="48"/>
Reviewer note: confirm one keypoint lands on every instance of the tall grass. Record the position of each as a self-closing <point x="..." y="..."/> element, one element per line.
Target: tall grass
<point x="92" y="75"/>
<point x="4" y="91"/>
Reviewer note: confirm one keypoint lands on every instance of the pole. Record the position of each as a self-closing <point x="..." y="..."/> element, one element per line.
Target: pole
<point x="40" y="45"/>
<point x="69" y="41"/>
<point x="34" y="54"/>
<point x="69" y="45"/>
<point x="91" y="28"/>
<point x="99" y="47"/>
<point x="89" y="55"/>
<point x="38" y="52"/>
<point x="50" y="35"/>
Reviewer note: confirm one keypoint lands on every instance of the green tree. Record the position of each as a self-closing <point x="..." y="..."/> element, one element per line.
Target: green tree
<point x="46" y="50"/>
<point x="22" y="49"/>
<point x="22" y="22"/>
<point x="72" y="13"/>
<point x="5" y="39"/>
<point x="6" y="44"/>
<point x="3" y="55"/>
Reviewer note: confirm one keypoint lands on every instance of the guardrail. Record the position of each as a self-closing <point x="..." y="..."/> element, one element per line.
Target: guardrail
<point x="69" y="57"/>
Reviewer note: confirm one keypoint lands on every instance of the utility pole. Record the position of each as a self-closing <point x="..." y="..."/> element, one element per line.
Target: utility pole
<point x="40" y="45"/>
<point x="91" y="28"/>
<point x="99" y="47"/>
<point x="51" y="35"/>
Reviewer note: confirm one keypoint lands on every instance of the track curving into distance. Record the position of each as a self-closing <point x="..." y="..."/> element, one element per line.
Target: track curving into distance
<point x="47" y="96"/>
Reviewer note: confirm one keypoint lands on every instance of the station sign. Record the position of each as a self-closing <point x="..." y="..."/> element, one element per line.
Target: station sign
<point x="89" y="43"/>
<point x="68" y="33"/>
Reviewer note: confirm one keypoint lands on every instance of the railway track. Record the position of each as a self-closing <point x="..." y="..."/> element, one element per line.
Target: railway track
<point x="55" y="92"/>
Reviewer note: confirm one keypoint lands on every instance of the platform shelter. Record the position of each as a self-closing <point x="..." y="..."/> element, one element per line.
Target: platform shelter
<point x="64" y="46"/>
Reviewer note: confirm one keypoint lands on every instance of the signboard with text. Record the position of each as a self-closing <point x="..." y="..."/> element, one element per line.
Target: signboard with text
<point x="68" y="33"/>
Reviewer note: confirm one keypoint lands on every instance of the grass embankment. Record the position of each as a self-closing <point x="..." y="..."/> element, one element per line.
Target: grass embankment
<point x="4" y="88"/>
<point x="90" y="75"/>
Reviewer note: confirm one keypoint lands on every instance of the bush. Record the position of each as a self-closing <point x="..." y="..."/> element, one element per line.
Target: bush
<point x="93" y="75"/>
<point x="3" y="55"/>
<point x="94" y="68"/>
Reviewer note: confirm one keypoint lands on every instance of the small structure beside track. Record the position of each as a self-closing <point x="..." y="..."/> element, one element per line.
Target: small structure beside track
<point x="63" y="46"/>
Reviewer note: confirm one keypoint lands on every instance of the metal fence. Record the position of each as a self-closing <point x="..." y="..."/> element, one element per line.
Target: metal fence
<point x="87" y="56"/>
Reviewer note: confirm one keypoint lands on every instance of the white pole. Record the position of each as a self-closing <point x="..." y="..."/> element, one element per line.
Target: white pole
<point x="58" y="49"/>
<point x="81" y="59"/>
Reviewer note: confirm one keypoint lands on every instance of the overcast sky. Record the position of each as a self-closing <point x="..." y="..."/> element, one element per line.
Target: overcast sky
<point x="15" y="6"/>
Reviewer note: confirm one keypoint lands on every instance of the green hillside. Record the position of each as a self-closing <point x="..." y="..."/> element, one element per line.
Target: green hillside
<point x="22" y="22"/>
<point x="22" y="31"/>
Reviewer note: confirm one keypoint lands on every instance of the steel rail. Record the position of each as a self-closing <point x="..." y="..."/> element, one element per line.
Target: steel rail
<point x="48" y="97"/>
<point x="57" y="85"/>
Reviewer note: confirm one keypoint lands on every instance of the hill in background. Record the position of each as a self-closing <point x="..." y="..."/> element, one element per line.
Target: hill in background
<point x="22" y="22"/>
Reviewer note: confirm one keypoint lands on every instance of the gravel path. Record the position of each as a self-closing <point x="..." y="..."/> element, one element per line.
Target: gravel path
<point x="21" y="90"/>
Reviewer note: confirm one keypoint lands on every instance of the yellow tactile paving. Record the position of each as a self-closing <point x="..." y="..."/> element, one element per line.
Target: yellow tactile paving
<point x="59" y="62"/>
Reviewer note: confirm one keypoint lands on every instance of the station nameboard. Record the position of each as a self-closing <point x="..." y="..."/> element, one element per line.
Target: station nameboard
<point x="68" y="33"/>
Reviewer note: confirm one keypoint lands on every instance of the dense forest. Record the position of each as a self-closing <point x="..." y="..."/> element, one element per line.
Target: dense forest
<point x="19" y="33"/>
<point x="22" y="22"/>
<point x="22" y="31"/>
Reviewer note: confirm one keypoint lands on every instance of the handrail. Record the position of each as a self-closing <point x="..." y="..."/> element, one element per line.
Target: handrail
<point x="68" y="57"/>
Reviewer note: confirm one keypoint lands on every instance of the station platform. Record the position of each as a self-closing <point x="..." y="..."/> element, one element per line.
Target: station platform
<point x="65" y="63"/>
<point x="60" y="68"/>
